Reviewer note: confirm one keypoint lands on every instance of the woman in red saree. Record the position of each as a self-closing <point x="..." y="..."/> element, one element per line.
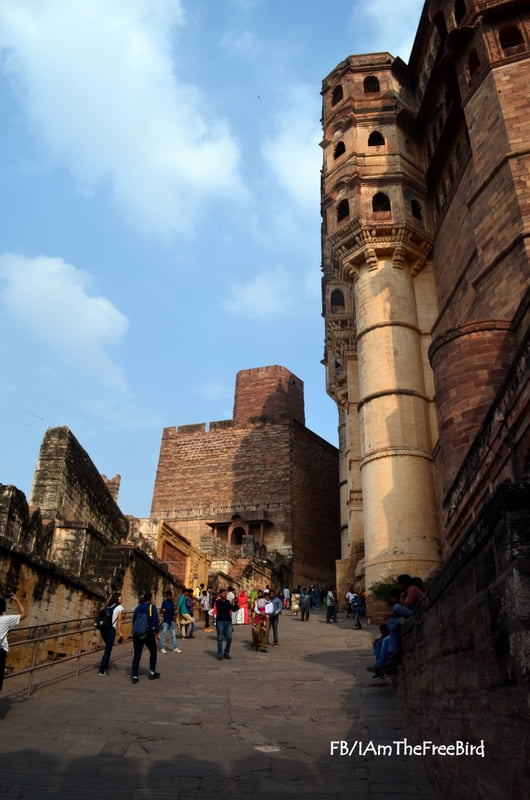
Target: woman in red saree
<point x="242" y="615"/>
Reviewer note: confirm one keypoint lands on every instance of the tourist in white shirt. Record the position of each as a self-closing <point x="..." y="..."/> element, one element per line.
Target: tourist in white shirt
<point x="6" y="623"/>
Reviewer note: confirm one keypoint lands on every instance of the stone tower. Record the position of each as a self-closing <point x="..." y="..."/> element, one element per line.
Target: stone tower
<point x="259" y="477"/>
<point x="379" y="305"/>
<point x="426" y="274"/>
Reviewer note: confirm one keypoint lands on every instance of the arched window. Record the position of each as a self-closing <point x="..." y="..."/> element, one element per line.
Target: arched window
<point x="415" y="207"/>
<point x="371" y="85"/>
<point x="343" y="210"/>
<point x="460" y="10"/>
<point x="511" y="40"/>
<point x="473" y="63"/>
<point x="375" y="139"/>
<point x="337" y="301"/>
<point x="340" y="149"/>
<point x="380" y="202"/>
<point x="337" y="95"/>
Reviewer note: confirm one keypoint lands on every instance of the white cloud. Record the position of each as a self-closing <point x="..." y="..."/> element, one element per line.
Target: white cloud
<point x="268" y="294"/>
<point x="242" y="43"/>
<point x="292" y="151"/>
<point x="98" y="85"/>
<point x="49" y="300"/>
<point x="392" y="24"/>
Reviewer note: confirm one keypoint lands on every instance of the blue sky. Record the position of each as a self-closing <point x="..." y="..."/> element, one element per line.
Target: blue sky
<point x="159" y="219"/>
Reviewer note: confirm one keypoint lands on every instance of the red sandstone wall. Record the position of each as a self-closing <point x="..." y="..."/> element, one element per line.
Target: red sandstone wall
<point x="280" y="468"/>
<point x="231" y="464"/>
<point x="315" y="505"/>
<point x="482" y="266"/>
<point x="268" y="392"/>
<point x="470" y="363"/>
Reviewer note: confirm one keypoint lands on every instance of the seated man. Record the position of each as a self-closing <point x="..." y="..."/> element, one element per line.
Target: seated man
<point x="410" y="596"/>
<point x="386" y="650"/>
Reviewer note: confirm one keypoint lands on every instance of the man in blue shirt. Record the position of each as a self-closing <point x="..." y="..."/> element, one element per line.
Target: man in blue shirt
<point x="275" y="616"/>
<point x="167" y="609"/>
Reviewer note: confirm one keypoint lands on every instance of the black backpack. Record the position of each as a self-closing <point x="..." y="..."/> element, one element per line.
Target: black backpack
<point x="143" y="622"/>
<point x="104" y="623"/>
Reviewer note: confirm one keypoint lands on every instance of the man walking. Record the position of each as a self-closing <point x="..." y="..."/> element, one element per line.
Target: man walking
<point x="184" y="617"/>
<point x="357" y="607"/>
<point x="305" y="604"/>
<point x="275" y="616"/>
<point x="333" y="605"/>
<point x="190" y="601"/>
<point x="167" y="609"/>
<point x="145" y="631"/>
<point x="223" y="622"/>
<point x="115" y="612"/>
<point x="206" y="608"/>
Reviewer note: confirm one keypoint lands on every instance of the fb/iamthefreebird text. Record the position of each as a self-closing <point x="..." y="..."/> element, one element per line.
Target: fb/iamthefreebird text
<point x="402" y="747"/>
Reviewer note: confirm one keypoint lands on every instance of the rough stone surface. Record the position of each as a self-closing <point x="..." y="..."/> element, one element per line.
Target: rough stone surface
<point x="259" y="725"/>
<point x="466" y="654"/>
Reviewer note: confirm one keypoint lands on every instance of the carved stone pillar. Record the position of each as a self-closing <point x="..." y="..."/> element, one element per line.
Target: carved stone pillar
<point x="399" y="510"/>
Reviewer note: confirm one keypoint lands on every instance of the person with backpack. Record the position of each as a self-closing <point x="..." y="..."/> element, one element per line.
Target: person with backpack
<point x="145" y="632"/>
<point x="109" y="623"/>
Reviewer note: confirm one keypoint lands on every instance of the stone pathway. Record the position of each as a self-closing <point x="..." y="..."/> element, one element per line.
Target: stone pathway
<point x="260" y="725"/>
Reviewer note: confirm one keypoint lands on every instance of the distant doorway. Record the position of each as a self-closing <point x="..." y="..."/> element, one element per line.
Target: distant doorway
<point x="236" y="539"/>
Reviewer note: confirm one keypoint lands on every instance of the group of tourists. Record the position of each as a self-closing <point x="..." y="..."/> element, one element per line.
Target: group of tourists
<point x="157" y="629"/>
<point x="261" y="610"/>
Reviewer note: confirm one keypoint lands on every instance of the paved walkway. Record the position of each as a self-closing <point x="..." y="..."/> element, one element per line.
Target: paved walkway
<point x="259" y="725"/>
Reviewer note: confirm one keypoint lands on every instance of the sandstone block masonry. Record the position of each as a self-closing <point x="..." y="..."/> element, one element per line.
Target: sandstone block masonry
<point x="262" y="474"/>
<point x="68" y="486"/>
<point x="65" y="557"/>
